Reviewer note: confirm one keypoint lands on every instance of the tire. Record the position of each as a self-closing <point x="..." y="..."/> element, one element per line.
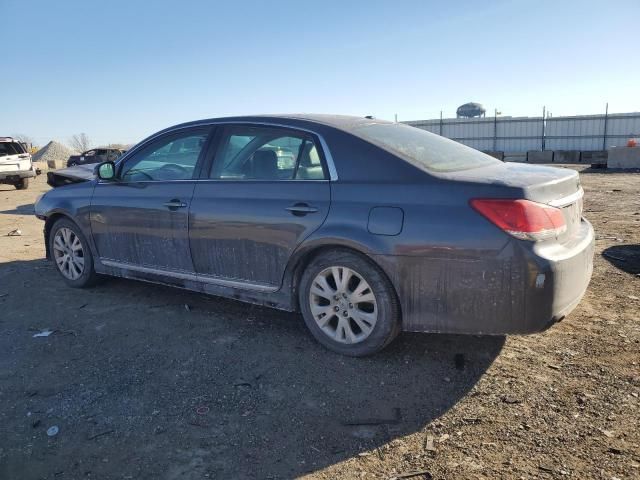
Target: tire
<point x="22" y="184"/>
<point x="72" y="164"/>
<point x="74" y="276"/>
<point x="336" y="322"/>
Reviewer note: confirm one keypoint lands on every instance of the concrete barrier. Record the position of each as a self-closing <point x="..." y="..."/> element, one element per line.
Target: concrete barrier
<point x="566" y="156"/>
<point x="518" y="157"/>
<point x="494" y="154"/>
<point x="624" y="157"/>
<point x="595" y="157"/>
<point x="41" y="165"/>
<point x="54" y="165"/>
<point x="535" y="156"/>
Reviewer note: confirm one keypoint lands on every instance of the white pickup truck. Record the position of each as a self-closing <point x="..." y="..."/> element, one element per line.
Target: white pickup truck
<point x="16" y="167"/>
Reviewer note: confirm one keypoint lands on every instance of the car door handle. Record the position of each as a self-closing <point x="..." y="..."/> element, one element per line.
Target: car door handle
<point x="174" y="204"/>
<point x="300" y="209"/>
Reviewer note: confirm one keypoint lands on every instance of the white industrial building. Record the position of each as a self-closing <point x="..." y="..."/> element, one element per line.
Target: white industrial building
<point x="526" y="134"/>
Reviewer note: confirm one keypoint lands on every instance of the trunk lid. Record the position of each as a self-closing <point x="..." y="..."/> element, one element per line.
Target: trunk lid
<point x="554" y="186"/>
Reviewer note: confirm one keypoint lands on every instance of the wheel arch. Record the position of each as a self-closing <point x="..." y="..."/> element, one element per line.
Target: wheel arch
<point x="48" y="225"/>
<point x="304" y="256"/>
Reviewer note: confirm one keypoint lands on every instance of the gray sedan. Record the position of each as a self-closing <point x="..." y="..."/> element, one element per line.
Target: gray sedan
<point x="366" y="227"/>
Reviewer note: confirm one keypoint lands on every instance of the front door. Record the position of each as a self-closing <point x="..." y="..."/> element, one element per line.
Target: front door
<point x="142" y="218"/>
<point x="267" y="191"/>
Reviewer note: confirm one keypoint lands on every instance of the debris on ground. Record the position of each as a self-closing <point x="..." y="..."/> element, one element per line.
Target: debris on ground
<point x="242" y="383"/>
<point x="15" y="233"/>
<point x="100" y="434"/>
<point x="52" y="431"/>
<point x="614" y="257"/>
<point x="423" y="474"/>
<point x="511" y="400"/>
<point x="43" y="333"/>
<point x="429" y="444"/>
<point x="202" y="410"/>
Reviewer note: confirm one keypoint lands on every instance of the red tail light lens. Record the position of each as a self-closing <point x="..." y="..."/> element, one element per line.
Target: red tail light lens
<point x="523" y="219"/>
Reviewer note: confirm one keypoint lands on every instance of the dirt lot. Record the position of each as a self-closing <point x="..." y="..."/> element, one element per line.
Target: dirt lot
<point x="144" y="381"/>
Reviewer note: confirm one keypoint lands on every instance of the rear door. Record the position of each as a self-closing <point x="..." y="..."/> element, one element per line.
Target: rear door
<point x="141" y="220"/>
<point x="266" y="191"/>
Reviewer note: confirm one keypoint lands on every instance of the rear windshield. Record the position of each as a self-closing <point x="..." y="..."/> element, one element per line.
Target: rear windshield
<point x="10" y="148"/>
<point x="423" y="149"/>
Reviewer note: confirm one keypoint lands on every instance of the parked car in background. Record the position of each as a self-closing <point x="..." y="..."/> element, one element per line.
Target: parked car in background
<point x="95" y="155"/>
<point x="16" y="167"/>
<point x="366" y="227"/>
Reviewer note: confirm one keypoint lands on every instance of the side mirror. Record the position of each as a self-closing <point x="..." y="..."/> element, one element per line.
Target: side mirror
<point x="106" y="171"/>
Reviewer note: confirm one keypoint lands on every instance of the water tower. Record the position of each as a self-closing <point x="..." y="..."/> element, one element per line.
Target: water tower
<point x="470" y="110"/>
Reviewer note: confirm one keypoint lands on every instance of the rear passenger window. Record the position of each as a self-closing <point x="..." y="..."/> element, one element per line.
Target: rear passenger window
<point x="10" y="148"/>
<point x="250" y="153"/>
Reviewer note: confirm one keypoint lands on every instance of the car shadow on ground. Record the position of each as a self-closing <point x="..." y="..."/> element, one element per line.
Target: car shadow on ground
<point x="156" y="382"/>
<point x="624" y="257"/>
<point x="27" y="209"/>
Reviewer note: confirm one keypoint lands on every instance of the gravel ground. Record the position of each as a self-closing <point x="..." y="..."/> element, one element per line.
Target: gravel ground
<point x="145" y="381"/>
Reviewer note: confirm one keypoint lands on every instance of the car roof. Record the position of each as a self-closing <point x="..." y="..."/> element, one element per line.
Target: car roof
<point x="341" y="122"/>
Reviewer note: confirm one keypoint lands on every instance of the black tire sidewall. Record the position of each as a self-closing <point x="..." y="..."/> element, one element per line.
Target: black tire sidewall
<point x="388" y="323"/>
<point x="88" y="275"/>
<point x="22" y="184"/>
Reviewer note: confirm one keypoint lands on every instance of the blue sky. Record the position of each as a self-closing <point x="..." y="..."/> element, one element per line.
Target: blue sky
<point x="120" y="70"/>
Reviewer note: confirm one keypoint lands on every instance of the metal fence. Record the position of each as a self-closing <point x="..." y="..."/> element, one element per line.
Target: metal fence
<point x="522" y="134"/>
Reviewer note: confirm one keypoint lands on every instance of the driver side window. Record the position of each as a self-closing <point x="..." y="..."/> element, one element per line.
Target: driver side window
<point x="170" y="158"/>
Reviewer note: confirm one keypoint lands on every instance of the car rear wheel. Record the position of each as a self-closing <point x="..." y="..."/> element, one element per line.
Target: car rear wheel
<point x="22" y="184"/>
<point x="71" y="254"/>
<point x="348" y="304"/>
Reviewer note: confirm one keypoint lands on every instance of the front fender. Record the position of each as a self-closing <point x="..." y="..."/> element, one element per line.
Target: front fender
<point x="72" y="201"/>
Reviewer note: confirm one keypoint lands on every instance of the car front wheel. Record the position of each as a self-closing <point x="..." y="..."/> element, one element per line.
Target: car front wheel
<point x="71" y="254"/>
<point x="348" y="304"/>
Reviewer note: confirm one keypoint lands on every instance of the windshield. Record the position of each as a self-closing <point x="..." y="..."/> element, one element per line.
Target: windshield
<point x="423" y="149"/>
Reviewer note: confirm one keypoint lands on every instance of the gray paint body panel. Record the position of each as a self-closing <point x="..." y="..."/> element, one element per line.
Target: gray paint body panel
<point x="130" y="224"/>
<point x="243" y="230"/>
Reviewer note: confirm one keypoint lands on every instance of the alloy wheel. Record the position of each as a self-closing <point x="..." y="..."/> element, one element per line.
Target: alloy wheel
<point x="343" y="305"/>
<point x="68" y="253"/>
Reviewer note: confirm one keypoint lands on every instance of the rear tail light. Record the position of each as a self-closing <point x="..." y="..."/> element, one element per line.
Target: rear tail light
<point x="523" y="219"/>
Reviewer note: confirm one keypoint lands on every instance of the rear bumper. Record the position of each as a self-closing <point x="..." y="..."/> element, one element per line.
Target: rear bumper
<point x="567" y="272"/>
<point x="17" y="175"/>
<point x="525" y="289"/>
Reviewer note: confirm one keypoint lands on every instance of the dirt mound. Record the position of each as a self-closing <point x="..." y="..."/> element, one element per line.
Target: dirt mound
<point x="54" y="154"/>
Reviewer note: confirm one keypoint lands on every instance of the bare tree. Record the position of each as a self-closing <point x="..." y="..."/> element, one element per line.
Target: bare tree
<point x="121" y="146"/>
<point x="22" y="138"/>
<point x="80" y="142"/>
